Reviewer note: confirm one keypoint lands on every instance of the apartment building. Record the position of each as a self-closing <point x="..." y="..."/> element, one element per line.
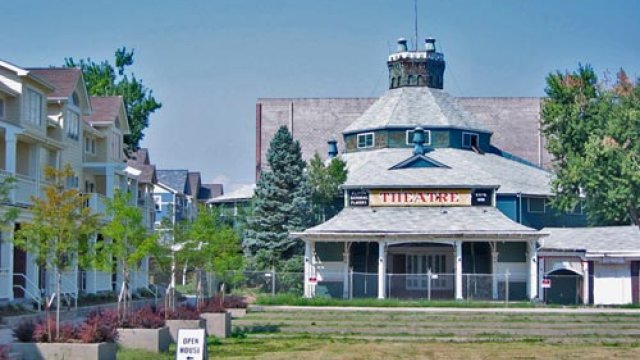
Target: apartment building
<point x="48" y="118"/>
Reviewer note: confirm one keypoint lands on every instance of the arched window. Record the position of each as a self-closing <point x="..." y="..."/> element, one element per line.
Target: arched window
<point x="410" y="80"/>
<point x="419" y="80"/>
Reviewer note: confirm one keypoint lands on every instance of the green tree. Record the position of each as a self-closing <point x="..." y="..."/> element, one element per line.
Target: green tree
<point x="593" y="132"/>
<point x="281" y="204"/>
<point x="213" y="246"/>
<point x="9" y="213"/>
<point x="59" y="234"/>
<point x="128" y="242"/>
<point x="325" y="181"/>
<point x="104" y="79"/>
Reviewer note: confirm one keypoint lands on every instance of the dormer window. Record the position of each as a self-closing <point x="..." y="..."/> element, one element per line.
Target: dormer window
<point x="366" y="140"/>
<point x="427" y="137"/>
<point x="470" y="140"/>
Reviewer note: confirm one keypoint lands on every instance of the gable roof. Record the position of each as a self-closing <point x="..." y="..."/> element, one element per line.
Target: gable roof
<point x="194" y="183"/>
<point x="243" y="193"/>
<point x="23" y="72"/>
<point x="463" y="168"/>
<point x="139" y="159"/>
<point x="603" y="239"/>
<point x="175" y="179"/>
<point x="211" y="191"/>
<point x="106" y="109"/>
<point x="64" y="80"/>
<point x="408" y="107"/>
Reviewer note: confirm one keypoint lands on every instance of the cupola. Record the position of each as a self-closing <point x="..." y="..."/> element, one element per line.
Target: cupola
<point x="419" y="67"/>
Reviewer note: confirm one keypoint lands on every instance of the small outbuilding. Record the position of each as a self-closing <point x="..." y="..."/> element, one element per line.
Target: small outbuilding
<point x="597" y="265"/>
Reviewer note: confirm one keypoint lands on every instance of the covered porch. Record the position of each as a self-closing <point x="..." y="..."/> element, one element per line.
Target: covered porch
<point x="416" y="253"/>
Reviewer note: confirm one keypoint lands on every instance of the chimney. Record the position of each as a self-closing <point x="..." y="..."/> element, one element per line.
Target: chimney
<point x="430" y="45"/>
<point x="402" y="45"/>
<point x="333" y="148"/>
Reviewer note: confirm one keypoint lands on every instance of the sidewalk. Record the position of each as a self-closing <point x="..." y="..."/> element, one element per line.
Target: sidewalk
<point x="507" y="310"/>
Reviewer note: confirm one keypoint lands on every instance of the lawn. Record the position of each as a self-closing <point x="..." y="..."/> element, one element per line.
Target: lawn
<point x="305" y="347"/>
<point x="328" y="334"/>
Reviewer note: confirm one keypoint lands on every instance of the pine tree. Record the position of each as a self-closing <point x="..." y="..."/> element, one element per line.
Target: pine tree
<point x="282" y="203"/>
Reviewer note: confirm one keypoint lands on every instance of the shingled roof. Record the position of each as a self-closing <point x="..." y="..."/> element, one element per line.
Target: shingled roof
<point x="63" y="79"/>
<point x="140" y="160"/>
<point x="435" y="222"/>
<point x="514" y="121"/>
<point x="604" y="239"/>
<point x="105" y="108"/>
<point x="175" y="179"/>
<point x="462" y="168"/>
<point x="408" y="107"/>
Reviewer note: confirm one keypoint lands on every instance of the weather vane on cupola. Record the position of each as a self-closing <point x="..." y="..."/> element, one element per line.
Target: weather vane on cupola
<point x="416" y="67"/>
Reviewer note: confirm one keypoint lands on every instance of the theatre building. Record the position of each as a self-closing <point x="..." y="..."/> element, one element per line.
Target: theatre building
<point x="434" y="210"/>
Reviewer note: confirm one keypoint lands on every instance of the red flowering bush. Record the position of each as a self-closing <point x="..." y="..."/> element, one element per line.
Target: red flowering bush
<point x="183" y="312"/>
<point x="235" y="302"/>
<point x="100" y="326"/>
<point x="45" y="332"/>
<point x="213" y="305"/>
<point x="144" y="318"/>
<point x="4" y="352"/>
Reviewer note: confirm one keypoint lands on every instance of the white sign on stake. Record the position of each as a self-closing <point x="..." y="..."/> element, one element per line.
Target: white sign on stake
<point x="191" y="345"/>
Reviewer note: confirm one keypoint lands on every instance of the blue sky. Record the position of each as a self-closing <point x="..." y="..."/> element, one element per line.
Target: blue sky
<point x="208" y="61"/>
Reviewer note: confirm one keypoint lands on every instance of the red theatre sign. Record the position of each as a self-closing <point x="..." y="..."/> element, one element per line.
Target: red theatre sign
<point x="421" y="197"/>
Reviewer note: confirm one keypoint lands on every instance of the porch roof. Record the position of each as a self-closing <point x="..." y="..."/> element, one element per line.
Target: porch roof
<point x="594" y="240"/>
<point x="420" y="223"/>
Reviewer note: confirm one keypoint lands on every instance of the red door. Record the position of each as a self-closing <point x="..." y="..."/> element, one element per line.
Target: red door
<point x="635" y="288"/>
<point x="19" y="271"/>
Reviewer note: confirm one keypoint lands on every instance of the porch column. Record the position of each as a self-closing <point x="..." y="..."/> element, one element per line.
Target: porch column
<point x="382" y="269"/>
<point x="494" y="270"/>
<point x="10" y="155"/>
<point x="345" y="262"/>
<point x="532" y="284"/>
<point x="540" y="278"/>
<point x="458" y="270"/>
<point x="585" y="282"/>
<point x="308" y="267"/>
<point x="110" y="182"/>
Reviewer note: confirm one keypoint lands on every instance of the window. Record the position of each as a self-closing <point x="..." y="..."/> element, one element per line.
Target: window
<point x="469" y="140"/>
<point x="365" y="140"/>
<point x="419" y="265"/>
<point x="90" y="145"/>
<point x="1" y="108"/>
<point x="536" y="205"/>
<point x="158" y="202"/>
<point x="427" y="137"/>
<point x="34" y="107"/>
<point x="72" y="123"/>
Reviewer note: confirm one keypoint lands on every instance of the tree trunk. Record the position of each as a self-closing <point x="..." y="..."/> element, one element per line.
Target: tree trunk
<point x="184" y="273"/>
<point x="58" y="303"/>
<point x="633" y="213"/>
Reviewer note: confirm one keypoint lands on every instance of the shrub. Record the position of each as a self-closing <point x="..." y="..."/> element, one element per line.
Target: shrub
<point x="68" y="332"/>
<point x="4" y="352"/>
<point x="183" y="312"/>
<point x="24" y="331"/>
<point x="213" y="305"/>
<point x="235" y="302"/>
<point x="100" y="326"/>
<point x="144" y="318"/>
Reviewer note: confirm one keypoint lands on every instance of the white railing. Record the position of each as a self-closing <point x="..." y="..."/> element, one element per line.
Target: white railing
<point x="96" y="202"/>
<point x="24" y="187"/>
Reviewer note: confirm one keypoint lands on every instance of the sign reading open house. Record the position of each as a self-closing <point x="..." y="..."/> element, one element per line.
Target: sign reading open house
<point x="191" y="345"/>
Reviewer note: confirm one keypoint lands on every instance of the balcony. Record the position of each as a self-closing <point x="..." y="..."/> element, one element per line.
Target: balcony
<point x="24" y="187"/>
<point x="96" y="202"/>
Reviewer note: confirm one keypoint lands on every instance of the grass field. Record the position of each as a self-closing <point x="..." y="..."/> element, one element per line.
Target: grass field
<point x="307" y="334"/>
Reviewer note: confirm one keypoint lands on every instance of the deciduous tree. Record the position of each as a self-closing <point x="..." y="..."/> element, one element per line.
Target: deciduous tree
<point x="593" y="132"/>
<point x="105" y="79"/>
<point x="325" y="181"/>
